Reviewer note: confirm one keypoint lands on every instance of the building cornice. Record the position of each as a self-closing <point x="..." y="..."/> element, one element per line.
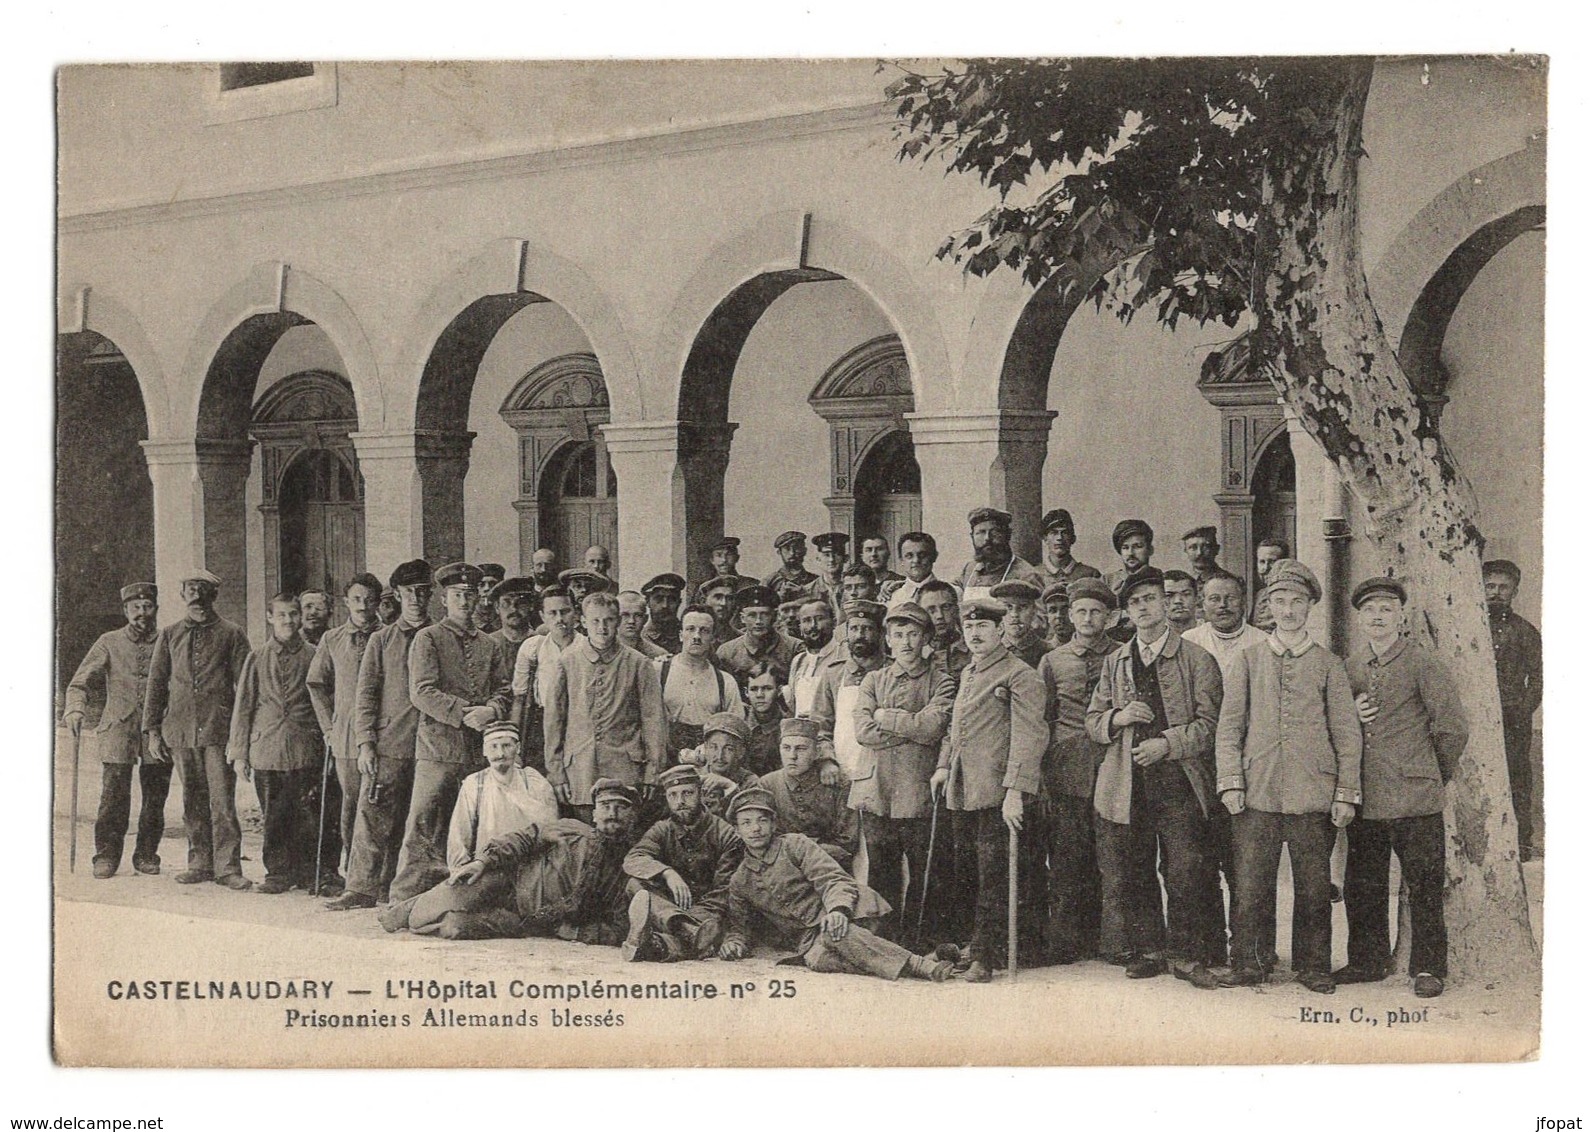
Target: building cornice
<point x="410" y="178"/>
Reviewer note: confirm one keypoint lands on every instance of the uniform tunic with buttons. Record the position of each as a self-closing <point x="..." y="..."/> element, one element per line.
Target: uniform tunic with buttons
<point x="790" y="587"/>
<point x="1410" y="749"/>
<point x="452" y="670"/>
<point x="740" y="656"/>
<point x="803" y="804"/>
<point x="705" y="854"/>
<point x="998" y="735"/>
<point x="1070" y="674"/>
<point x="1288" y="734"/>
<point x="605" y="719"/>
<point x="118" y="663"/>
<point x="273" y="722"/>
<point x="789" y="888"/>
<point x="193" y="674"/>
<point x="333" y="680"/>
<point x="384" y="715"/>
<point x="914" y="709"/>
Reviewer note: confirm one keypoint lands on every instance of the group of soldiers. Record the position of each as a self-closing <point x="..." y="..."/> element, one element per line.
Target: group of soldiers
<point x="850" y="766"/>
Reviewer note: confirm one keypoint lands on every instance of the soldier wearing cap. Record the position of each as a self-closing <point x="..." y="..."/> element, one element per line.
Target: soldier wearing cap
<point x="792" y="580"/>
<point x="720" y="597"/>
<point x="1134" y="542"/>
<point x="803" y="802"/>
<point x="990" y="531"/>
<point x="385" y="723"/>
<point x="681" y="868"/>
<point x="723" y="754"/>
<point x="559" y="878"/>
<point x="580" y="582"/>
<point x="1023" y="630"/>
<point x="1518" y="662"/>
<point x="832" y="561"/>
<point x="662" y="630"/>
<point x="874" y="551"/>
<point x="900" y="718"/>
<point x="193" y="670"/>
<point x="1154" y="709"/>
<point x="759" y="639"/>
<point x="1070" y="673"/>
<point x="459" y="681"/>
<point x="605" y="715"/>
<point x="836" y="693"/>
<point x="512" y="600"/>
<point x="1057" y="563"/>
<point x="725" y="557"/>
<point x="116" y="671"/>
<point x="333" y="680"/>
<point x="1201" y="547"/>
<point x="486" y="616"/>
<point x="1289" y="770"/>
<point x="805" y="903"/>
<point x="1414" y="732"/>
<point x="989" y="768"/>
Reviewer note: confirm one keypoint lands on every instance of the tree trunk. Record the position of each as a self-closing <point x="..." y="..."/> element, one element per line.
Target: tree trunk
<point x="1320" y="337"/>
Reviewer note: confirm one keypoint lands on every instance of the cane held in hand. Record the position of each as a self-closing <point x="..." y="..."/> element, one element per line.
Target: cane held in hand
<point x="71" y="860"/>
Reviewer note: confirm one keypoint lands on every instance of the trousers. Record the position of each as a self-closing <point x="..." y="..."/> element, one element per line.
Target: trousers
<point x="1258" y="837"/>
<point x="889" y="841"/>
<point x="289" y="807"/>
<point x="1518" y="763"/>
<point x="859" y="951"/>
<point x="1419" y="841"/>
<point x="379" y="827"/>
<point x="1073" y="886"/>
<point x="987" y="832"/>
<point x="210" y="809"/>
<point x="423" y="859"/>
<point x="116" y="804"/>
<point x="341" y="817"/>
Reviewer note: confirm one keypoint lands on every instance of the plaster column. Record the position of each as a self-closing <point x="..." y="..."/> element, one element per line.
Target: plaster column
<point x="644" y="456"/>
<point x="970" y="460"/>
<point x="201" y="516"/>
<point x="1322" y="529"/>
<point x="392" y="499"/>
<point x="702" y="456"/>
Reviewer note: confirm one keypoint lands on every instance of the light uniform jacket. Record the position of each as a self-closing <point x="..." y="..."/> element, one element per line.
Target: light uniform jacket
<point x="789" y="888"/>
<point x="1070" y="673"/>
<point x="1289" y="735"/>
<point x="998" y="736"/>
<point x="273" y="722"/>
<point x="383" y="712"/>
<point x="193" y="675"/>
<point x="452" y="670"/>
<point x="334" y="679"/>
<point x="901" y="749"/>
<point x="118" y="663"/>
<point x="605" y="719"/>
<point x="1192" y="696"/>
<point x="1410" y="750"/>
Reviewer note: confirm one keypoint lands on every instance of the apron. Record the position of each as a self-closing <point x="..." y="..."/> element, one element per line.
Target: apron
<point x="977" y="593"/>
<point x="804" y="687"/>
<point x="858" y="763"/>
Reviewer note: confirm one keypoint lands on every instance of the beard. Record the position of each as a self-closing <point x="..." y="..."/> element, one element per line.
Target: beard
<point x="863" y="649"/>
<point x="687" y="816"/>
<point x="992" y="553"/>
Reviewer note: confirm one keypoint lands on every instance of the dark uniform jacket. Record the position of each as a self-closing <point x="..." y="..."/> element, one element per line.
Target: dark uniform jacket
<point x="383" y="712"/>
<point x="117" y="664"/>
<point x="568" y="880"/>
<point x="333" y="680"/>
<point x="1070" y="673"/>
<point x="785" y="892"/>
<point x="273" y="720"/>
<point x="789" y="587"/>
<point x="193" y="674"/>
<point x="805" y="805"/>
<point x="452" y="670"/>
<point x="705" y="854"/>
<point x="1518" y="654"/>
<point x="738" y="657"/>
<point x="763" y="749"/>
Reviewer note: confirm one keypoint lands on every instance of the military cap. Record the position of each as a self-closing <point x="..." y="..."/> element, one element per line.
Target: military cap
<point x="1131" y="527"/>
<point x="1501" y="566"/>
<point x="493" y="570"/>
<point x="457" y="574"/>
<point x="801" y="726"/>
<point x="989" y="515"/>
<point x="1144" y="576"/>
<point x="1371" y="587"/>
<point x="415" y="572"/>
<point x="1092" y="588"/>
<point x="789" y="538"/>
<point x="751" y="798"/>
<point x="757" y="596"/>
<point x="1016" y="589"/>
<point x="681" y="774"/>
<point x="727" y="543"/>
<point x="730" y="724"/>
<point x="594" y="583"/>
<point x="664" y="582"/>
<point x="873" y="610"/>
<point x="719" y="582"/>
<point x="201" y="576"/>
<point x="1292" y="574"/>
<point x="832" y="540"/>
<point x="912" y="612"/>
<point x="509" y="587"/>
<point x="138" y="590"/>
<point x="1057" y="517"/>
<point x="612" y="788"/>
<point x="499" y="727"/>
<point x="983" y="609"/>
<point x="1200" y="532"/>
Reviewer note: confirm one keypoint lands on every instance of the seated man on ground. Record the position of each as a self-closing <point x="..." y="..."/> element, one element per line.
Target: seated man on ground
<point x="499" y="800"/>
<point x="722" y="758"/>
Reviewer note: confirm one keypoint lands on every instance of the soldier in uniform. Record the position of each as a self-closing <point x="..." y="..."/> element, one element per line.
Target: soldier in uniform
<point x="385" y="721"/>
<point x="579" y="582"/>
<point x="725" y="557"/>
<point x="662" y="592"/>
<point x="803" y="802"/>
<point x="1201" y="547"/>
<point x="333" y="679"/>
<point x="722" y="757"/>
<point x="1057" y="563"/>
<point x="759" y="640"/>
<point x="939" y="600"/>
<point x="792" y="580"/>
<point x="1518" y="660"/>
<point x="1134" y="542"/>
<point x="805" y="902"/>
<point x="766" y="710"/>
<point x="875" y="553"/>
<point x="989" y="769"/>
<point x="116" y="669"/>
<point x="460" y="682"/>
<point x="837" y="692"/>
<point x="832" y="562"/>
<point x="486" y="616"/>
<point x="316" y="608"/>
<point x="513" y="599"/>
<point x="633" y="625"/>
<point x="276" y="741"/>
<point x="1023" y="630"/>
<point x="857" y="583"/>
<point x="681" y="868"/>
<point x="720" y="596"/>
<point x="193" y="671"/>
<point x="990" y="531"/>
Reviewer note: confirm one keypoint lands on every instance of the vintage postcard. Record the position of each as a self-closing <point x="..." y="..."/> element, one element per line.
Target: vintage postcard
<point x="759" y="563"/>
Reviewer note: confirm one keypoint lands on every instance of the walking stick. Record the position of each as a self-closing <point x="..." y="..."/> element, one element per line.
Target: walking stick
<point x="320" y="829"/>
<point x="71" y="860"/>
<point x="923" y="896"/>
<point x="1012" y="901"/>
